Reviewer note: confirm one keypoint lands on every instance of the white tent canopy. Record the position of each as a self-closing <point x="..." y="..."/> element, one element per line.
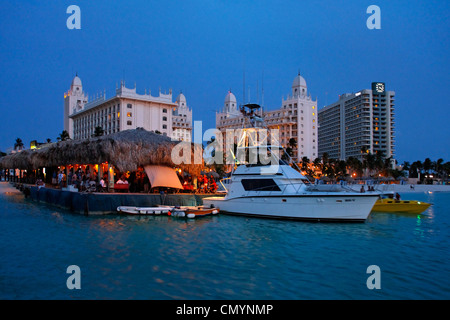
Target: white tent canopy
<point x="161" y="176"/>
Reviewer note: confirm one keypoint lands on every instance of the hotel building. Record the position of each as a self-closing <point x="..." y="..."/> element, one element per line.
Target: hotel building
<point x="358" y="122"/>
<point x="297" y="118"/>
<point x="125" y="110"/>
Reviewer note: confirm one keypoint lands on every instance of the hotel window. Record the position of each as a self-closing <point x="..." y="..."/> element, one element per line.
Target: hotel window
<point x="164" y="110"/>
<point x="164" y="118"/>
<point x="164" y="126"/>
<point x="129" y="106"/>
<point x="129" y="114"/>
<point x="129" y="123"/>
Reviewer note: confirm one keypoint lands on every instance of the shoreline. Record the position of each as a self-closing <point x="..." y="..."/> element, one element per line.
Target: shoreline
<point x="406" y="188"/>
<point x="6" y="187"/>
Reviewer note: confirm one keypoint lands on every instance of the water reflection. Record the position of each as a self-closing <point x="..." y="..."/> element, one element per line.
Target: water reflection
<point x="222" y="257"/>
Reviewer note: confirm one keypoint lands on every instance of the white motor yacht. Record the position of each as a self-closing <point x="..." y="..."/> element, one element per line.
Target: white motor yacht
<point x="282" y="192"/>
<point x="277" y="190"/>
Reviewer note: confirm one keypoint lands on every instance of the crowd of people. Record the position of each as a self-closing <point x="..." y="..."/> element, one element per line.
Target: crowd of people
<point x="86" y="178"/>
<point x="79" y="179"/>
<point x="203" y="184"/>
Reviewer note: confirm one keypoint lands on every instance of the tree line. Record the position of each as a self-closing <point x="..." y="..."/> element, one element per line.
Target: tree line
<point x="375" y="166"/>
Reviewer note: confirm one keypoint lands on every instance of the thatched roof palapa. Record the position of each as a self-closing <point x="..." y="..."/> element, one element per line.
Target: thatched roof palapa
<point x="126" y="150"/>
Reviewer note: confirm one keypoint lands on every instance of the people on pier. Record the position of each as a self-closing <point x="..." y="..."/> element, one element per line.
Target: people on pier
<point x="60" y="179"/>
<point x="122" y="180"/>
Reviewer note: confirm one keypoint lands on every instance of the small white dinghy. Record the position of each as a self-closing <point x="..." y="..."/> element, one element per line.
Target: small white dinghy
<point x="144" y="210"/>
<point x="193" y="212"/>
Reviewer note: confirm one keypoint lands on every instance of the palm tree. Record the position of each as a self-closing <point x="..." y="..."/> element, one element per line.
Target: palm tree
<point x="439" y="167"/>
<point x="305" y="162"/>
<point x="354" y="166"/>
<point x="369" y="163"/>
<point x="64" y="136"/>
<point x="427" y="165"/>
<point x="18" y="144"/>
<point x="415" y="169"/>
<point x="406" y="165"/>
<point x="49" y="140"/>
<point x="341" y="168"/>
<point x="380" y="164"/>
<point x="293" y="143"/>
<point x="98" y="131"/>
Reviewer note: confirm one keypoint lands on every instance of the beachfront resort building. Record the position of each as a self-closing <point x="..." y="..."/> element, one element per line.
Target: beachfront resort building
<point x="125" y="110"/>
<point x="358" y="123"/>
<point x="297" y="119"/>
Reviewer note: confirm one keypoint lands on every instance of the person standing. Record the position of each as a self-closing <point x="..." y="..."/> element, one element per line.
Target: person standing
<point x="60" y="179"/>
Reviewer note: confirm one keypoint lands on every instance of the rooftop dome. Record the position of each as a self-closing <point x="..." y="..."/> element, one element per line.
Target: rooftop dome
<point x="230" y="97"/>
<point x="181" y="98"/>
<point x="76" y="81"/>
<point x="299" y="81"/>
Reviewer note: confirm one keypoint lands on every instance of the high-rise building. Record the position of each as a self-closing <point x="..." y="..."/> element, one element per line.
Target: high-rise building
<point x="297" y="118"/>
<point x="125" y="110"/>
<point x="358" y="123"/>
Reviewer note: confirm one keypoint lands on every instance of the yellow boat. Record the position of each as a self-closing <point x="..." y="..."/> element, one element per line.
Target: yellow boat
<point x="401" y="206"/>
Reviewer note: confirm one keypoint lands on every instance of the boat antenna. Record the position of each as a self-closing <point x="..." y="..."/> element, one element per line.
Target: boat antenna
<point x="262" y="94"/>
<point x="257" y="92"/>
<point x="243" y="85"/>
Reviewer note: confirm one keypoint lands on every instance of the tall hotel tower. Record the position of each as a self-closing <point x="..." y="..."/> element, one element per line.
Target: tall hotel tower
<point x="357" y="123"/>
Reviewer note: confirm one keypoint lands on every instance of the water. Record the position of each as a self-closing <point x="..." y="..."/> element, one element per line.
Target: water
<point x="222" y="257"/>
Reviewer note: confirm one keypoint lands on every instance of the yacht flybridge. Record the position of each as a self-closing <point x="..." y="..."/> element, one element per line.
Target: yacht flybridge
<point x="280" y="191"/>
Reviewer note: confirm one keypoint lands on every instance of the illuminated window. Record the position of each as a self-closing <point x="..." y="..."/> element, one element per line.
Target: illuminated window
<point x="314" y="114"/>
<point x="129" y="114"/>
<point x="118" y="114"/>
<point x="313" y="107"/>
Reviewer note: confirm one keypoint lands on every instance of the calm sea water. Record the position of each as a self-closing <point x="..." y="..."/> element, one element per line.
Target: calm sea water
<point x="222" y="257"/>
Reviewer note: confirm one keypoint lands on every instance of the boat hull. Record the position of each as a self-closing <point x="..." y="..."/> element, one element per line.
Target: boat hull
<point x="400" y="206"/>
<point x="194" y="213"/>
<point x="326" y="207"/>
<point x="143" y="210"/>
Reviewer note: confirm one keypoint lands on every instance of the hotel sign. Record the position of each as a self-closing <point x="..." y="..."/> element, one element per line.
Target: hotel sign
<point x="378" y="87"/>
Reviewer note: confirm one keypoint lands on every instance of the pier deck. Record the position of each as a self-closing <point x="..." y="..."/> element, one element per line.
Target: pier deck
<point x="104" y="203"/>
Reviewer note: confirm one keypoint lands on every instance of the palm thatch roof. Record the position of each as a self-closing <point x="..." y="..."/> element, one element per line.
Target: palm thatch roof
<point x="126" y="150"/>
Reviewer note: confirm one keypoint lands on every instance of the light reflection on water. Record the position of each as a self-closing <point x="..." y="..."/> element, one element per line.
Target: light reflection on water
<point x="222" y="257"/>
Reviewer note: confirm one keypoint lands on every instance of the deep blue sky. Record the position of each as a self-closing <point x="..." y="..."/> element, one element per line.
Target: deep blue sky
<point x="201" y="48"/>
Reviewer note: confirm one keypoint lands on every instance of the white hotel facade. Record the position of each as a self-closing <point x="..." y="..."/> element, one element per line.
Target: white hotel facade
<point x="297" y="118"/>
<point x="125" y="110"/>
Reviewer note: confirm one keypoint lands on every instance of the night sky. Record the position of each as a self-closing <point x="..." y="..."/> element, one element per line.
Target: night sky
<point x="203" y="47"/>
